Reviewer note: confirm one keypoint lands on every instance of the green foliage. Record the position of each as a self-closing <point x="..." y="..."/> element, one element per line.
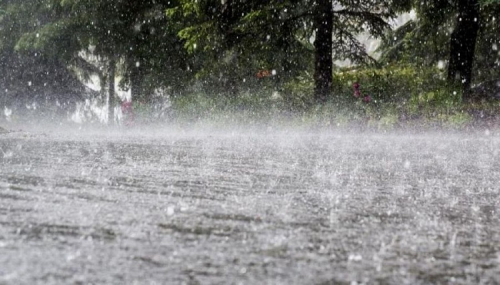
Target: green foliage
<point x="487" y="58"/>
<point x="137" y="33"/>
<point x="298" y="92"/>
<point x="489" y="2"/>
<point x="219" y="47"/>
<point x="425" y="41"/>
<point x="235" y="39"/>
<point x="400" y="94"/>
<point x="232" y="42"/>
<point x="390" y="84"/>
<point x="33" y="64"/>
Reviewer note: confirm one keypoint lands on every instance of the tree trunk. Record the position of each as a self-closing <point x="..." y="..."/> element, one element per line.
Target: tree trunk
<point x="111" y="90"/>
<point x="103" y="82"/>
<point x="323" y="50"/>
<point x="463" y="45"/>
<point x="136" y="78"/>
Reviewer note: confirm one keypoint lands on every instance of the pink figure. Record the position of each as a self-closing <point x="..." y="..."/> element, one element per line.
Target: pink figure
<point x="128" y="112"/>
<point x="357" y="93"/>
<point x="367" y="98"/>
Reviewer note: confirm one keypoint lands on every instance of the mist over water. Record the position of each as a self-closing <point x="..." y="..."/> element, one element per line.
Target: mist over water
<point x="210" y="204"/>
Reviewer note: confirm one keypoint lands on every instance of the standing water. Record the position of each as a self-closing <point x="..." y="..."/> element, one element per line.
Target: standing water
<point x="284" y="207"/>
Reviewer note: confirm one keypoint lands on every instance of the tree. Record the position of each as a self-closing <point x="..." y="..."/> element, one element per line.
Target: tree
<point x="467" y="49"/>
<point x="133" y="35"/>
<point x="462" y="44"/>
<point x="231" y="41"/>
<point x="487" y="58"/>
<point x="30" y="77"/>
<point x="244" y="27"/>
<point x="424" y="40"/>
<point x="111" y="89"/>
<point x="323" y="46"/>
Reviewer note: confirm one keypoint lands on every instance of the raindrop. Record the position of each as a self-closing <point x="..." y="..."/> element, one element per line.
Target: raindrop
<point x="7" y="112"/>
<point x="494" y="47"/>
<point x="170" y="210"/>
<point x="440" y="64"/>
<point x="355" y="257"/>
<point x="137" y="64"/>
<point x="8" y="154"/>
<point x="407" y="164"/>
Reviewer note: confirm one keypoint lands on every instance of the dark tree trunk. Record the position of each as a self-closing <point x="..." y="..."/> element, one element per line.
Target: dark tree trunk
<point x="226" y="14"/>
<point x="284" y="43"/>
<point x="323" y="50"/>
<point x="111" y="90"/>
<point x="136" y="78"/>
<point x="463" y="45"/>
<point x="103" y="82"/>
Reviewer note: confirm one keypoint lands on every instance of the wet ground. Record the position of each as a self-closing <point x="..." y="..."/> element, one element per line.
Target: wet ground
<point x="268" y="208"/>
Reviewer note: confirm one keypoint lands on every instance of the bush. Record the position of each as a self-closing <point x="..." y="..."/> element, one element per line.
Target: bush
<point x="400" y="94"/>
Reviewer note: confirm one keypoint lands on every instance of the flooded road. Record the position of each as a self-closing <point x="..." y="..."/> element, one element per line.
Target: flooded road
<point x="234" y="208"/>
